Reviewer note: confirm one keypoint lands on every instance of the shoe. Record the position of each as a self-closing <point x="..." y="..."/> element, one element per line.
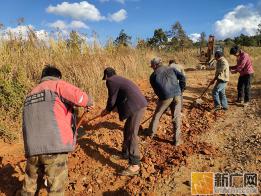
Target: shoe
<point x="129" y="172"/>
<point x="224" y="108"/>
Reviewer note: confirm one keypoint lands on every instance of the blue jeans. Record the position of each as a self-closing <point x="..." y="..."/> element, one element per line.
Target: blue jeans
<point x="219" y="94"/>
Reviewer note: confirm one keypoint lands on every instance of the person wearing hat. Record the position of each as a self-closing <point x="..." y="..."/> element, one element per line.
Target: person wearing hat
<point x="245" y="68"/>
<point x="221" y="78"/>
<point x="47" y="130"/>
<point x="131" y="104"/>
<point x="168" y="84"/>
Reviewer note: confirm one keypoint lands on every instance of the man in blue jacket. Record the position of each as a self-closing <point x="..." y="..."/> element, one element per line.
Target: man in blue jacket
<point x="168" y="84"/>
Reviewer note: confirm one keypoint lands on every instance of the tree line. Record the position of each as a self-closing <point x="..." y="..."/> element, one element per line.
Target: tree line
<point x="176" y="38"/>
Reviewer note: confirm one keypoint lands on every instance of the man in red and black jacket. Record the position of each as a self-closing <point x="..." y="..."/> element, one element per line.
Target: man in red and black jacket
<point x="131" y="104"/>
<point x="47" y="130"/>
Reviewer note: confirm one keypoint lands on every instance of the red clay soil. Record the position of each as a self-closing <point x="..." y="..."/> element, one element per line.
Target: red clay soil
<point x="93" y="167"/>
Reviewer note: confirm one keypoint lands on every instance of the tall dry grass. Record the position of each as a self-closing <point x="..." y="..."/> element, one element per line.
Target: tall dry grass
<point x="23" y="60"/>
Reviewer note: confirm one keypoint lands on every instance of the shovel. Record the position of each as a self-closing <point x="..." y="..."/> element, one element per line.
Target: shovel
<point x="82" y="117"/>
<point x="141" y="128"/>
<point x="199" y="100"/>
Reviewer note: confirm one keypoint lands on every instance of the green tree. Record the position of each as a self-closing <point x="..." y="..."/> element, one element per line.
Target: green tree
<point x="245" y="40"/>
<point x="123" y="39"/>
<point x="159" y="39"/>
<point x="178" y="36"/>
<point x="229" y="42"/>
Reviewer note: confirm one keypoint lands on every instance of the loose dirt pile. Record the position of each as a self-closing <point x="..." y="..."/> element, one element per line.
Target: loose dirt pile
<point x="96" y="173"/>
<point x="93" y="166"/>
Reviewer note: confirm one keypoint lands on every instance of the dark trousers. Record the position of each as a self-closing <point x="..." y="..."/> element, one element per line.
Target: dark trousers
<point x="130" y="135"/>
<point x="244" y="88"/>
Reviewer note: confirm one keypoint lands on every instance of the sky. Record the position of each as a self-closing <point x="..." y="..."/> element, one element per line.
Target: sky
<point x="139" y="18"/>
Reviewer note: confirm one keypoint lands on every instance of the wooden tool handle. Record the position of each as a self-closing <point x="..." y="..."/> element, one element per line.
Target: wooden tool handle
<point x="205" y="90"/>
<point x="147" y="119"/>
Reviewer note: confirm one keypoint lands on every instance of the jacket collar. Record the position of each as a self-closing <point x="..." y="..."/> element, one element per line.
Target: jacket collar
<point x="49" y="78"/>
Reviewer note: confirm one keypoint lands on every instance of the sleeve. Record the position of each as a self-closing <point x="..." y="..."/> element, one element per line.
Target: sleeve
<point x="153" y="84"/>
<point x="73" y="95"/>
<point x="181" y="78"/>
<point x="241" y="63"/>
<point x="112" y="95"/>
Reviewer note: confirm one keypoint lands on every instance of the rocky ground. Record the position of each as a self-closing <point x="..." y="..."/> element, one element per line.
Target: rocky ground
<point x="214" y="142"/>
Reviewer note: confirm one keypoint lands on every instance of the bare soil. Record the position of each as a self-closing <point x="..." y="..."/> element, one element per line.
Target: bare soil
<point x="213" y="141"/>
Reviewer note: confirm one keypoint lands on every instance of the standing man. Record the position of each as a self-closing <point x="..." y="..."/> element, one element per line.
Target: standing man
<point x="131" y="104"/>
<point x="168" y="84"/>
<point x="221" y="78"/>
<point x="47" y="130"/>
<point x="245" y="68"/>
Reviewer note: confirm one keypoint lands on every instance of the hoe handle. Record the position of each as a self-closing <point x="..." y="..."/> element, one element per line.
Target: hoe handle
<point x="82" y="117"/>
<point x="147" y="119"/>
<point x="205" y="90"/>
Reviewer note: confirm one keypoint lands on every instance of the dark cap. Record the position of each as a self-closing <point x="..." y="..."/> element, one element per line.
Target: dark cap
<point x="108" y="72"/>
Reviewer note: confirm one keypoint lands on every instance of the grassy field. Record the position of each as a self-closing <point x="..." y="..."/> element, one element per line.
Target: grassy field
<point x="22" y="61"/>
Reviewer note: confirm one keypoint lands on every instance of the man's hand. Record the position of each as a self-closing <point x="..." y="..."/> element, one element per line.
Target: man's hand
<point x="104" y="112"/>
<point x="89" y="108"/>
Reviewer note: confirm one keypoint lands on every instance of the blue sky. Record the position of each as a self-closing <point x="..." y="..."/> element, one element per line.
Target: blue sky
<point x="139" y="18"/>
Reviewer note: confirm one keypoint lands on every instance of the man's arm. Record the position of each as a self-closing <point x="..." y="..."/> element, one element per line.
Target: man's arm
<point x="153" y="84"/>
<point x="112" y="95"/>
<point x="241" y="63"/>
<point x="181" y="78"/>
<point x="73" y="95"/>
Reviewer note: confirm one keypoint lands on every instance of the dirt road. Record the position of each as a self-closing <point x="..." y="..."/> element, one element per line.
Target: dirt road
<point x="215" y="142"/>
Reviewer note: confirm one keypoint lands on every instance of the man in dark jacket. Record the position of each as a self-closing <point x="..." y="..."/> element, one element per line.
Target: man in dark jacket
<point x="124" y="95"/>
<point x="168" y="84"/>
<point x="47" y="130"/>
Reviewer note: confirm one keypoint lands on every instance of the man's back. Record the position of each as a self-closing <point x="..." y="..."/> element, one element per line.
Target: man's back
<point x="47" y="117"/>
<point x="124" y="95"/>
<point x="167" y="82"/>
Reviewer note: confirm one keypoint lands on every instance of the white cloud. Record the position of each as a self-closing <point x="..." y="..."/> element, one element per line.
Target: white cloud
<point x="243" y="19"/>
<point x="118" y="16"/>
<point x="81" y="11"/>
<point x="22" y="31"/>
<point x="75" y="24"/>
<point x="194" y="37"/>
<point x="59" y="24"/>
